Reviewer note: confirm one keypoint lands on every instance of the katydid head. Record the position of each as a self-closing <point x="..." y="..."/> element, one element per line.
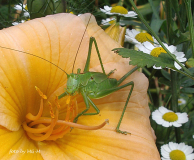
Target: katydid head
<point x="72" y="83"/>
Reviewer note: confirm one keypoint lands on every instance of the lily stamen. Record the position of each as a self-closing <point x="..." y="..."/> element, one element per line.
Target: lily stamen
<point x="31" y="117"/>
<point x="40" y="128"/>
<point x="48" y="133"/>
<point x="34" y="130"/>
<point x="71" y="124"/>
<point x="51" y="110"/>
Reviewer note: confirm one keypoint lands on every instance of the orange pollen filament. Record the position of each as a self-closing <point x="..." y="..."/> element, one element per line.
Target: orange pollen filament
<point x="40" y="128"/>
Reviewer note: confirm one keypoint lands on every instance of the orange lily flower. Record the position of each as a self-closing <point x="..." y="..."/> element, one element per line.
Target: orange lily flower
<point x="56" y="38"/>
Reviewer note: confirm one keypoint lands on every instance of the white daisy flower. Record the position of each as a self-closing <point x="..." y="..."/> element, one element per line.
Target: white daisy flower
<point x="181" y="101"/>
<point x="180" y="56"/>
<point x="26" y="14"/>
<point x="167" y="118"/>
<point x="137" y="37"/>
<point x="16" y="23"/>
<point x="175" y="151"/>
<point x="19" y="7"/>
<point x="118" y="10"/>
<point x="108" y="21"/>
<point x="156" y="50"/>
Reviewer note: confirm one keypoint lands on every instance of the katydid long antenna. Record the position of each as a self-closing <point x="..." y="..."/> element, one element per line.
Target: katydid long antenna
<point x="81" y="42"/>
<point x="34" y="56"/>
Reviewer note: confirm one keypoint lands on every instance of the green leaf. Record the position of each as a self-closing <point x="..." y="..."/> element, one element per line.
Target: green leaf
<point x="156" y="24"/>
<point x="41" y="8"/>
<point x="187" y="90"/>
<point x="142" y="59"/>
<point x="165" y="74"/>
<point x="163" y="80"/>
<point x="190" y="62"/>
<point x="182" y="38"/>
<point x="165" y="92"/>
<point x="188" y="83"/>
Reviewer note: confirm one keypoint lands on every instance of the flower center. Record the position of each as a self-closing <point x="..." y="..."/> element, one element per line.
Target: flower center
<point x="180" y="101"/>
<point x="40" y="128"/>
<point x="119" y="9"/>
<point x="143" y="37"/>
<point x="177" y="155"/>
<point x="112" y="21"/>
<point x="157" y="51"/>
<point x="170" y="117"/>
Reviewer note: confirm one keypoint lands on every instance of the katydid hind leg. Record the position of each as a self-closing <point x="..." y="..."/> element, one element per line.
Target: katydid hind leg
<point x="86" y="68"/>
<point x="123" y="112"/>
<point x="127" y="75"/>
<point x="111" y="90"/>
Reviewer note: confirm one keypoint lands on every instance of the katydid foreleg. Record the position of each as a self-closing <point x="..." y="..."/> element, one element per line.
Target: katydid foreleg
<point x="87" y="101"/>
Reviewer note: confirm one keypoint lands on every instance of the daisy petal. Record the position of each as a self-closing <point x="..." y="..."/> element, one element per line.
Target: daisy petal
<point x="190" y="157"/>
<point x="177" y="66"/>
<point x="172" y="48"/>
<point x="189" y="150"/>
<point x="173" y="146"/>
<point x="135" y="32"/>
<point x="176" y="124"/>
<point x="166" y="148"/>
<point x="163" y="110"/>
<point x="166" y="124"/>
<point x="148" y="45"/>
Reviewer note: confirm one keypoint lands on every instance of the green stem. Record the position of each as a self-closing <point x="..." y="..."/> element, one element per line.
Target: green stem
<point x="146" y="71"/>
<point x="174" y="101"/>
<point x="168" y="101"/>
<point x="152" y="74"/>
<point x="54" y="7"/>
<point x="178" y="135"/>
<point x="166" y="140"/>
<point x="185" y="74"/>
<point x="190" y="22"/>
<point x="154" y="9"/>
<point x="156" y="37"/>
<point x="168" y="9"/>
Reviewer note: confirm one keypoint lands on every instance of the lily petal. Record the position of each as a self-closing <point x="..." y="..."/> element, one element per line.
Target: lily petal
<point x="17" y="145"/>
<point x="56" y="38"/>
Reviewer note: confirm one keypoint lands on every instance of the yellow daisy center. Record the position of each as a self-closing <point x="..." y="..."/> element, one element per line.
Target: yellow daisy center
<point x="119" y="9"/>
<point x="111" y="22"/>
<point x="170" y="117"/>
<point x="179" y="101"/>
<point x="143" y="37"/>
<point x="177" y="155"/>
<point x="157" y="51"/>
<point x="39" y="128"/>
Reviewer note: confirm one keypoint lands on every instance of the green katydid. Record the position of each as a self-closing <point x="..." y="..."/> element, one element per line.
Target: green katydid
<point x="95" y="85"/>
<point x="92" y="85"/>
